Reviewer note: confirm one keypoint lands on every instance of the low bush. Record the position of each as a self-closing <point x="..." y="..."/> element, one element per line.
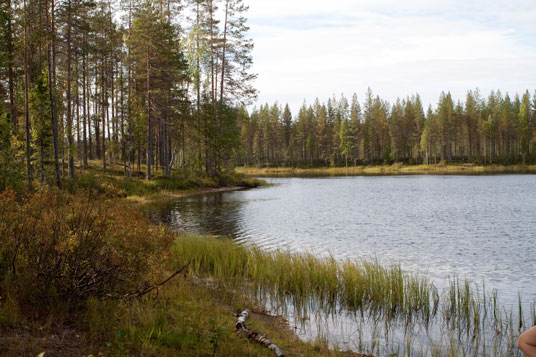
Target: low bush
<point x="56" y="247"/>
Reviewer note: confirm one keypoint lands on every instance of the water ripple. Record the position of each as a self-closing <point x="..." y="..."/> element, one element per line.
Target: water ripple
<point x="477" y="227"/>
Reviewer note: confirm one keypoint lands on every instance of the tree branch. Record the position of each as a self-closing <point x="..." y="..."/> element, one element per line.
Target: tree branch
<point x="140" y="293"/>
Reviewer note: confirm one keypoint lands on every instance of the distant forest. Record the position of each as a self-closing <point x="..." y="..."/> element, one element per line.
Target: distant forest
<point x="496" y="129"/>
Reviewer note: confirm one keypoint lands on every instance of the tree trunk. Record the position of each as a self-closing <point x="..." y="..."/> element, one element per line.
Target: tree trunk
<point x="69" y="99"/>
<point x="51" y="96"/>
<point x="26" y="99"/>
<point x="96" y="117"/>
<point x="11" y="72"/>
<point x="213" y="87"/>
<point x="84" y="112"/>
<point x="149" y="136"/>
<point x="113" y="138"/>
<point x="198" y="88"/>
<point x="104" y="114"/>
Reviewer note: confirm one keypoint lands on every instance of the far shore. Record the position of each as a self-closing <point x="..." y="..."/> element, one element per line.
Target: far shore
<point x="168" y="195"/>
<point x="395" y="169"/>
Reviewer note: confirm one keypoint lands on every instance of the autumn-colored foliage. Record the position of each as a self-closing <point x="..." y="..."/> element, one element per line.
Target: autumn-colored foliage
<point x="57" y="247"/>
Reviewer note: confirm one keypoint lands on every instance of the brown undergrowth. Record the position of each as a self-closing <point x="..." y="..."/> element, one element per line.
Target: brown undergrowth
<point x="67" y="261"/>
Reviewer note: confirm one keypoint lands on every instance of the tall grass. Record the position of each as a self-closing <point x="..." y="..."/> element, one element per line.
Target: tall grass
<point x="464" y="319"/>
<point x="310" y="283"/>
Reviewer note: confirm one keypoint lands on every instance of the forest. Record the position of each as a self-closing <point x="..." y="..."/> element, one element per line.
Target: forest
<point x="162" y="85"/>
<point x="153" y="83"/>
<point x="498" y="129"/>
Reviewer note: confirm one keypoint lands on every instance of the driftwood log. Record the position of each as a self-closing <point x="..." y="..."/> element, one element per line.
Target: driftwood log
<point x="241" y="329"/>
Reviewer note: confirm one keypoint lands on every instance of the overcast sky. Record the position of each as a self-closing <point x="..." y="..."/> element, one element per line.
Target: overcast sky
<point x="307" y="48"/>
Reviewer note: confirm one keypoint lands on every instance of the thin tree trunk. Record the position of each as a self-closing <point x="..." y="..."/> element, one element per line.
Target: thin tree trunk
<point x="149" y="136"/>
<point x="96" y="115"/>
<point x="26" y="99"/>
<point x="223" y="65"/>
<point x="113" y="138"/>
<point x="104" y="114"/>
<point x="212" y="84"/>
<point x="69" y="99"/>
<point x="139" y="157"/>
<point x="88" y="117"/>
<point x="198" y="88"/>
<point x="85" y="114"/>
<point x="11" y="72"/>
<point x="77" y="102"/>
<point x="51" y="96"/>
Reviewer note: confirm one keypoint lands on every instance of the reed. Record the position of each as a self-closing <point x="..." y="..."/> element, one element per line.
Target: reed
<point x="309" y="284"/>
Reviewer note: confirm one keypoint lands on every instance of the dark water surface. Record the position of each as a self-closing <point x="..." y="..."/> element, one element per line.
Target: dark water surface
<point x="482" y="228"/>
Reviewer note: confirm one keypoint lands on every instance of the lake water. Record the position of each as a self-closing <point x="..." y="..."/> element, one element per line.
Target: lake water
<point x="481" y="228"/>
<point x="475" y="227"/>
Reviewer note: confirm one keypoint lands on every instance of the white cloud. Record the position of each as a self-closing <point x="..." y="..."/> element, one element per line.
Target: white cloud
<point x="307" y="49"/>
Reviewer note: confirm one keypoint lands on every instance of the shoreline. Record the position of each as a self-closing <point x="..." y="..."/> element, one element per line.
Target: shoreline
<point x="395" y="169"/>
<point x="113" y="326"/>
<point x="170" y="195"/>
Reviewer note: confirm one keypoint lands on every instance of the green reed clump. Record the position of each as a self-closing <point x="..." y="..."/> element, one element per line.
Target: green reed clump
<point x="310" y="283"/>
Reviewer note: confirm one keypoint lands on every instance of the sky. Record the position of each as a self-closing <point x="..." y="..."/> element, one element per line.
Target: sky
<point x="307" y="49"/>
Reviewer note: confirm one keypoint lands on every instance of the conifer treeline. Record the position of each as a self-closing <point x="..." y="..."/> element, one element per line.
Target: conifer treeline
<point x="498" y="129"/>
<point x="151" y="84"/>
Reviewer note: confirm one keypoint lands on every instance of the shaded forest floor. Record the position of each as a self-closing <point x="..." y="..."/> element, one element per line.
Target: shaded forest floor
<point x="395" y="169"/>
<point x="114" y="182"/>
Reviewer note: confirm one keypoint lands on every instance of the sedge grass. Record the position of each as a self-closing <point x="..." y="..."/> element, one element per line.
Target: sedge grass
<point x="308" y="284"/>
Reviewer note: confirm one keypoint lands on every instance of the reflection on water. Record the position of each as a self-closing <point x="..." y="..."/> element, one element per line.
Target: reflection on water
<point x="208" y="214"/>
<point x="477" y="227"/>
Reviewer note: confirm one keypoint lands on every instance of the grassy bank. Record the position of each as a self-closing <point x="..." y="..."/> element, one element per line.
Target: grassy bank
<point x="113" y="183"/>
<point x="185" y="318"/>
<point x="395" y="169"/>
<point x="73" y="264"/>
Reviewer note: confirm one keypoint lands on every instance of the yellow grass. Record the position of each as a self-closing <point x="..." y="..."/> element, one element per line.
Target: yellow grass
<point x="395" y="169"/>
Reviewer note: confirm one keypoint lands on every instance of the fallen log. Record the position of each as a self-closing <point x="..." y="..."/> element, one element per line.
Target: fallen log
<point x="241" y="329"/>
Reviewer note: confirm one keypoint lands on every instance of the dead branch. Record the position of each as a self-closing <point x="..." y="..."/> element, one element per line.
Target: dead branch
<point x="140" y="293"/>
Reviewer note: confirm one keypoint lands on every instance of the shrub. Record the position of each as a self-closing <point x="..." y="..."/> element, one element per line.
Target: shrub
<point x="57" y="247"/>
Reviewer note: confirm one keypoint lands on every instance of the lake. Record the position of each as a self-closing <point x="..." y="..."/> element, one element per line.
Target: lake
<point x="479" y="228"/>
